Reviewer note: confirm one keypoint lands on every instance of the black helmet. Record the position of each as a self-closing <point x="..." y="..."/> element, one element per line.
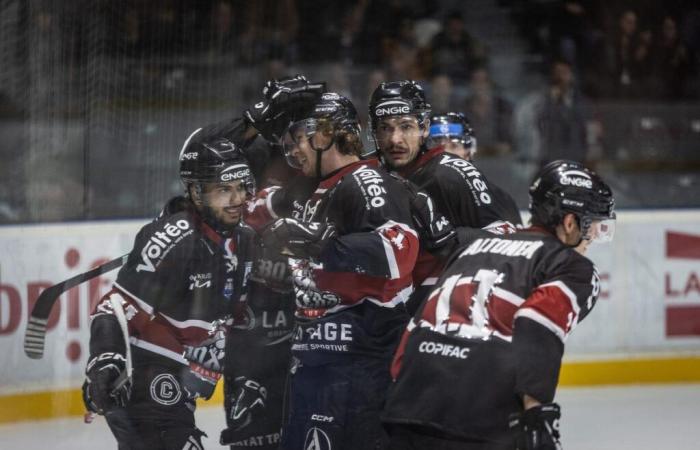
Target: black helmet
<point x="214" y="160"/>
<point x="338" y="110"/>
<point x="454" y="126"/>
<point x="398" y="98"/>
<point x="334" y="113"/>
<point x="565" y="186"/>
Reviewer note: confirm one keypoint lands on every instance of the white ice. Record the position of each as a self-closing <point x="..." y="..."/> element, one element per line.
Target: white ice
<point x="605" y="418"/>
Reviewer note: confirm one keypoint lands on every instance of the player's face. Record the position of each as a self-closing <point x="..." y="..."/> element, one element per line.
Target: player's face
<point x="225" y="201"/>
<point x="299" y="151"/>
<point x="399" y="139"/>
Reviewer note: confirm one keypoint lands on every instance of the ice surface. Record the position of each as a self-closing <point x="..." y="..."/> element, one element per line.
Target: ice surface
<point x="603" y="418"/>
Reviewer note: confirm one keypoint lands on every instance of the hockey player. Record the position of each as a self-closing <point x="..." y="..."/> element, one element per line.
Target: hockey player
<point x="399" y="126"/>
<point x="166" y="312"/>
<point x="352" y="249"/>
<point x="453" y="132"/>
<point x="479" y="364"/>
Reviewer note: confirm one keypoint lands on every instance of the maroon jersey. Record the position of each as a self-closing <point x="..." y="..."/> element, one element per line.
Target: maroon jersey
<point x="492" y="329"/>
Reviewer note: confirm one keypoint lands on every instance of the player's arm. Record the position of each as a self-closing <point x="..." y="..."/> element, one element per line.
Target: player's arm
<point x="542" y="324"/>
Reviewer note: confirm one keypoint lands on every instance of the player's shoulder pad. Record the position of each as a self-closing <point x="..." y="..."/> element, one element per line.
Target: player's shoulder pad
<point x="450" y="167"/>
<point x="157" y="239"/>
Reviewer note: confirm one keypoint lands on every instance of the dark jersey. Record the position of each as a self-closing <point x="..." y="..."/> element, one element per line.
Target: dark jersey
<point x="492" y="329"/>
<point x="462" y="194"/>
<point x="368" y="264"/>
<point x="181" y="278"/>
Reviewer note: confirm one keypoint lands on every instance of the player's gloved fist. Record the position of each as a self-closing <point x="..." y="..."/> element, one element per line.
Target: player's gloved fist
<point x="247" y="402"/>
<point x="537" y="428"/>
<point x="436" y="232"/>
<point x="298" y="239"/>
<point x="307" y="295"/>
<point x="107" y="386"/>
<point x="282" y="101"/>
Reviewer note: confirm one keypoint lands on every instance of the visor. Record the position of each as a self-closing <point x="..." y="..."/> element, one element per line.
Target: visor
<point x="295" y="134"/>
<point x="601" y="230"/>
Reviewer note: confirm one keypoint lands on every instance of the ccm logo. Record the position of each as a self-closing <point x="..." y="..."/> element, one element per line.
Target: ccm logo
<point x="320" y="418"/>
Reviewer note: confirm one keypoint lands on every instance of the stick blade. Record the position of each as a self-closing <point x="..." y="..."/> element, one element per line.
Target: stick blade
<point x="35" y="337"/>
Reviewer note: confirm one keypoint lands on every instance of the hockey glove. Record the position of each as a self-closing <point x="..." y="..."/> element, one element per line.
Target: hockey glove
<point x="307" y="295"/>
<point x="247" y="403"/>
<point x="537" y="428"/>
<point x="298" y="239"/>
<point x="283" y="101"/>
<point x="107" y="385"/>
<point x="206" y="364"/>
<point x="436" y="232"/>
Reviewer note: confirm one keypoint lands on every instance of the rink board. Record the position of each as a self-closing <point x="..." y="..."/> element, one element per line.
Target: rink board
<point x="645" y="328"/>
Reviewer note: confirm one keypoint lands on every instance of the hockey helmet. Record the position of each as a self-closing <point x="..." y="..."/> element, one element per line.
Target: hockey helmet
<point x="398" y="98"/>
<point x="563" y="187"/>
<point x="214" y="160"/>
<point x="334" y="114"/>
<point x="452" y="126"/>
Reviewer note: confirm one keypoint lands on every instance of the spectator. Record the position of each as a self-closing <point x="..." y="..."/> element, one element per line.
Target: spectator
<point x="559" y="117"/>
<point x="490" y="114"/>
<point x="671" y="62"/>
<point x="454" y="52"/>
<point x="628" y="58"/>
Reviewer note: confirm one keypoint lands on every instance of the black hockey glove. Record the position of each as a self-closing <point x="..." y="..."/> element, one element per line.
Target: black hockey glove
<point x="107" y="385"/>
<point x="283" y="101"/>
<point x="435" y="231"/>
<point x="537" y="428"/>
<point x="298" y="239"/>
<point x="307" y="295"/>
<point x="247" y="403"/>
<point x="205" y="368"/>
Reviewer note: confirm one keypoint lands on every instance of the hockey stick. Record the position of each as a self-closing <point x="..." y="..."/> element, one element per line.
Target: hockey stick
<point x="36" y="328"/>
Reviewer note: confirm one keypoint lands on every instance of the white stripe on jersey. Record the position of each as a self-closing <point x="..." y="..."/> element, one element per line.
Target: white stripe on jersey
<point x="195" y="323"/>
<point x="136" y="342"/>
<point x="534" y="315"/>
<point x="573" y="300"/>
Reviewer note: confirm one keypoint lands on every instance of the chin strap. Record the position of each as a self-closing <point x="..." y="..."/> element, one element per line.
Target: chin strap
<point x="319" y="154"/>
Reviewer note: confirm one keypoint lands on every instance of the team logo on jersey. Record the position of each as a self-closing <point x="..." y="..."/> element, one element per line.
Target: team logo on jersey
<point x="228" y="288"/>
<point x="576" y="178"/>
<point x="165" y="389"/>
<point x="161" y="242"/>
<point x="317" y="439"/>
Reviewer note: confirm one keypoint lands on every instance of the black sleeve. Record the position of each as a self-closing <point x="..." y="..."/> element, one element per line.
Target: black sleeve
<point x="106" y="335"/>
<point x="538" y="355"/>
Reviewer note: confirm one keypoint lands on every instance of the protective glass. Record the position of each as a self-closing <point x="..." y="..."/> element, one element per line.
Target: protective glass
<point x="298" y="133"/>
<point x="601" y="231"/>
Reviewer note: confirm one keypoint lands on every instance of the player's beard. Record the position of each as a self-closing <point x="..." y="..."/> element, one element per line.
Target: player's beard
<point x="209" y="216"/>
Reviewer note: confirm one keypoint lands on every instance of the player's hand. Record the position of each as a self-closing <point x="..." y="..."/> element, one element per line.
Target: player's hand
<point x="298" y="239"/>
<point x="247" y="403"/>
<point x="107" y="386"/>
<point x="537" y="428"/>
<point x="311" y="300"/>
<point x="283" y="100"/>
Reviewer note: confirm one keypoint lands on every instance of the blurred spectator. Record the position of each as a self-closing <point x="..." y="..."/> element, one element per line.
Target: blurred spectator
<point x="671" y="62"/>
<point x="551" y="122"/>
<point x="401" y="52"/>
<point x="490" y="115"/>
<point x="454" y="52"/>
<point x="270" y="30"/>
<point x="559" y="117"/>
<point x="628" y="58"/>
<point x="221" y="37"/>
<point x="332" y="22"/>
<point x="441" y="98"/>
